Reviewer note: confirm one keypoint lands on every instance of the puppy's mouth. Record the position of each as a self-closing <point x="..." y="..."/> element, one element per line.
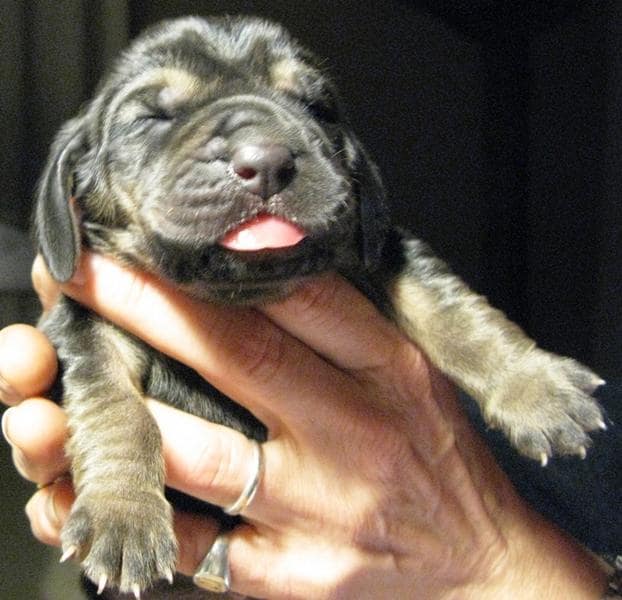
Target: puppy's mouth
<point x="255" y="260"/>
<point x="263" y="232"/>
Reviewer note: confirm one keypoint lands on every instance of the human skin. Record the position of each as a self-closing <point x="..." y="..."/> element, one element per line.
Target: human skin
<point x="375" y="484"/>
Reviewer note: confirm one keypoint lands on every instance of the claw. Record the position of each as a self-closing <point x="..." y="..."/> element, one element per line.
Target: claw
<point x="598" y="381"/>
<point x="67" y="554"/>
<point x="103" y="580"/>
<point x="136" y="591"/>
<point x="544" y="459"/>
<point x="169" y="576"/>
<point x="602" y="425"/>
<point x="582" y="452"/>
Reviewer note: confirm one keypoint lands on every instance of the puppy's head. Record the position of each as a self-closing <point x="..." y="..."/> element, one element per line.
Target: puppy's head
<point x="215" y="155"/>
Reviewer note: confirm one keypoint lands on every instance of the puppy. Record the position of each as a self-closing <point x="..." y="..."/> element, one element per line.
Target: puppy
<point x="215" y="156"/>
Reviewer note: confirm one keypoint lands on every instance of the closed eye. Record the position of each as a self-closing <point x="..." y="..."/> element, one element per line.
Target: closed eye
<point x="323" y="104"/>
<point x="153" y="120"/>
<point x="148" y="108"/>
<point x="323" y="111"/>
<point x="155" y="115"/>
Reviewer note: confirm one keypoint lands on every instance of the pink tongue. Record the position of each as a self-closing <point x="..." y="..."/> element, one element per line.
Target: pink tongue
<point x="264" y="231"/>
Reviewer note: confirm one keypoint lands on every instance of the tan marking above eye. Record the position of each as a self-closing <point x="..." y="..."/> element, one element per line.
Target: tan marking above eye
<point x="285" y="76"/>
<point x="178" y="87"/>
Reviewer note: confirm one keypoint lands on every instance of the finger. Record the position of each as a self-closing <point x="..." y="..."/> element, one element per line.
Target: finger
<point x="238" y="350"/>
<point x="28" y="364"/>
<point x="47" y="289"/>
<point x="36" y="430"/>
<point x="47" y="511"/>
<point x="206" y="461"/>
<point x="195" y="536"/>
<point x="265" y="564"/>
<point x="342" y="325"/>
<point x="338" y="322"/>
<point x="345" y="327"/>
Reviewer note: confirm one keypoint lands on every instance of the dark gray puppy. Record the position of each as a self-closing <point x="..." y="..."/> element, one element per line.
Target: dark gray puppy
<point x="214" y="155"/>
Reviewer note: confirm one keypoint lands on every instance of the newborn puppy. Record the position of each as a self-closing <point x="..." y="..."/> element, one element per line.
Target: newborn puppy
<point x="215" y="156"/>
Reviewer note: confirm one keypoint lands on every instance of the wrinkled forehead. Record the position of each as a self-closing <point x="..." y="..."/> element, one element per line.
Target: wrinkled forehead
<point x="191" y="57"/>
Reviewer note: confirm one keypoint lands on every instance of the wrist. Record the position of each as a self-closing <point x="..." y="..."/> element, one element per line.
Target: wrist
<point x="540" y="561"/>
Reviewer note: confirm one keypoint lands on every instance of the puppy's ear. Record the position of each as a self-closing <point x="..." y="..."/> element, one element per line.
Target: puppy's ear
<point x="56" y="223"/>
<point x="373" y="210"/>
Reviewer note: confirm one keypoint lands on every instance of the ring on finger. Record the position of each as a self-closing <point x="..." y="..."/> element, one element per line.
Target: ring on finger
<point x="252" y="484"/>
<point x="213" y="573"/>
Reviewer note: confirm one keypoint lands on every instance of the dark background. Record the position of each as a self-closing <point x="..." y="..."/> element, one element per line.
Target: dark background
<point x="496" y="125"/>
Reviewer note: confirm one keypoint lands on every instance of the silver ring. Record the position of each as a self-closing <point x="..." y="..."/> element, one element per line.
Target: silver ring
<point x="213" y="573"/>
<point x="250" y="489"/>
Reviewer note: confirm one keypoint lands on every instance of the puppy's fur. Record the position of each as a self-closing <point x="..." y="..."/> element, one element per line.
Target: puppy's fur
<point x="144" y="173"/>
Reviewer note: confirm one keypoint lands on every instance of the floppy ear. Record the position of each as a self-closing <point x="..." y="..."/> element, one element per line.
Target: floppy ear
<point x="373" y="210"/>
<point x="56" y="224"/>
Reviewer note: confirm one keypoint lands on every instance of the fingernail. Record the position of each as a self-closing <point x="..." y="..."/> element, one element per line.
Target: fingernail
<point x="29" y="509"/>
<point x="8" y="395"/>
<point x="5" y="427"/>
<point x="50" y="508"/>
<point x="44" y="501"/>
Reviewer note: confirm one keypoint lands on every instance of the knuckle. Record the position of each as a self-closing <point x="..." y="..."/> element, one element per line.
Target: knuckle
<point x="219" y="468"/>
<point x="318" y="301"/>
<point x="36" y="471"/>
<point x="44" y="528"/>
<point x="26" y="468"/>
<point x="205" y="463"/>
<point x="262" y="352"/>
<point x="28" y="361"/>
<point x="131" y="290"/>
<point x="115" y="290"/>
<point x="21" y="464"/>
<point x="383" y="367"/>
<point x="390" y="456"/>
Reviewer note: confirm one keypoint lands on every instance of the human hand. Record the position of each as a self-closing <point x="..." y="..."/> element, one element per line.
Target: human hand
<point x="374" y="485"/>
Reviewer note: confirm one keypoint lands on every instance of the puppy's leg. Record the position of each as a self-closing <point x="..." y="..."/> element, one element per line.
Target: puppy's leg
<point x="540" y="400"/>
<point x="120" y="526"/>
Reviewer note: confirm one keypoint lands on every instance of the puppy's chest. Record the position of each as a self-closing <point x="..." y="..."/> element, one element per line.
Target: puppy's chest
<point x="179" y="385"/>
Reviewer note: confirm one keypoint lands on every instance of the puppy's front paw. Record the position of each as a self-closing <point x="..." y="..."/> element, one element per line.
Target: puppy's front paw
<point x="121" y="541"/>
<point x="544" y="405"/>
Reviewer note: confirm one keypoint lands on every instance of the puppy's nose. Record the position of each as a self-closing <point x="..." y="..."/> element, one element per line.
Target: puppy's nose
<point x="263" y="169"/>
